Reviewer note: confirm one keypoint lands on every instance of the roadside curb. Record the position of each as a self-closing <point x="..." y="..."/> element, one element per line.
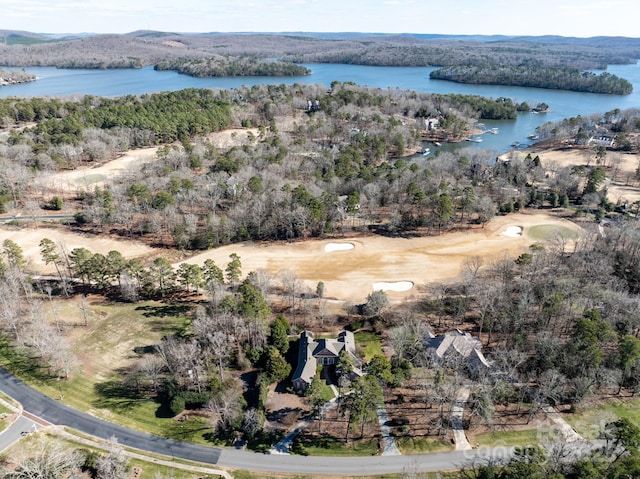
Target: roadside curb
<point x="17" y="412"/>
<point x="62" y="432"/>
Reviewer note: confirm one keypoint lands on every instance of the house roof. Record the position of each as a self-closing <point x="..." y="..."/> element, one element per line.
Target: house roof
<point x="310" y="349"/>
<point x="458" y="342"/>
<point x="306" y="368"/>
<point x="327" y="347"/>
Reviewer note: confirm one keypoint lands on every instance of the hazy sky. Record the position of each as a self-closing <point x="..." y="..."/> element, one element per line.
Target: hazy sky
<point x="581" y="18"/>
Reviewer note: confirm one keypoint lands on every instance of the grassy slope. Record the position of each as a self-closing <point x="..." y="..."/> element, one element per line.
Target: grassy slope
<point x="105" y="347"/>
<point x="511" y="438"/>
<point x="591" y="421"/>
<point x="549" y="232"/>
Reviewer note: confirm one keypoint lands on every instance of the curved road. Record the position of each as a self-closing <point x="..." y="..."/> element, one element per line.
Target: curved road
<point x="57" y="413"/>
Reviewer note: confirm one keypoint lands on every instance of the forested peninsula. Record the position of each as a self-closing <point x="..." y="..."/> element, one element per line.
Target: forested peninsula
<point x="10" y="77"/>
<point x="304" y="180"/>
<point x="537" y="77"/>
<point x="227" y="66"/>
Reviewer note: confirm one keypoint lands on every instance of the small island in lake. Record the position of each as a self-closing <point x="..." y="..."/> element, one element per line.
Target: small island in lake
<point x="228" y="66"/>
<point x="11" y="77"/>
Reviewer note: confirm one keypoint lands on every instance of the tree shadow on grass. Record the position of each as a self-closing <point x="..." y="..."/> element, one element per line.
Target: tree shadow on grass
<point x="21" y="364"/>
<point x="164" y="410"/>
<point x="115" y="395"/>
<point x="162" y="311"/>
<point x="188" y="431"/>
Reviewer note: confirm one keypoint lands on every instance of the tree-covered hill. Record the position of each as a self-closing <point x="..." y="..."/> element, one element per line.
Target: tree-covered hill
<point x="150" y="48"/>
<point x="228" y="66"/>
<point x="537" y="77"/>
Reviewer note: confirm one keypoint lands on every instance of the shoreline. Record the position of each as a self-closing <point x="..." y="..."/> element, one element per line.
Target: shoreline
<point x="16" y="82"/>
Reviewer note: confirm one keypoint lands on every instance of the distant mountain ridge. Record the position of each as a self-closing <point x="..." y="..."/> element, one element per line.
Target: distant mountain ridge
<point x="335" y="35"/>
<point x="151" y="47"/>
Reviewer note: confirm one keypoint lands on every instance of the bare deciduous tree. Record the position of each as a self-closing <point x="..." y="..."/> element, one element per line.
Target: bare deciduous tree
<point x="45" y="459"/>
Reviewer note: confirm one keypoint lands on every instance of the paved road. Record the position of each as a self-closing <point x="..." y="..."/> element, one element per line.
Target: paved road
<point x="21" y="426"/>
<point x="57" y="413"/>
<point x="357" y="466"/>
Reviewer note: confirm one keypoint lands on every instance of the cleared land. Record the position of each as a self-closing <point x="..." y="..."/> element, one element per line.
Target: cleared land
<point x="83" y="178"/>
<point x="621" y="168"/>
<point x="350" y="274"/>
<point x="29" y="239"/>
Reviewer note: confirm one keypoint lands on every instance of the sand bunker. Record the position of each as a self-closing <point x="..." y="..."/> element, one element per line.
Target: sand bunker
<point x="513" y="232"/>
<point x="331" y="247"/>
<point x="395" y="286"/>
<point x="349" y="276"/>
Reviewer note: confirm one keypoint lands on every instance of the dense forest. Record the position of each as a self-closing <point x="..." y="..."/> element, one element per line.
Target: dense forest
<point x="226" y="66"/>
<point x="157" y="118"/>
<point x="537" y="77"/>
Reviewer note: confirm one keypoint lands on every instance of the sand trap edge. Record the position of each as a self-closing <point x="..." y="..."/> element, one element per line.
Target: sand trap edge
<point x="396" y="286"/>
<point x="513" y="232"/>
<point x="331" y="247"/>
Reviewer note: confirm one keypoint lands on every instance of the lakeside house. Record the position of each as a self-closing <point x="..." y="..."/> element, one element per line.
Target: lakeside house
<point x="322" y="352"/>
<point x="602" y="140"/>
<point x="457" y="346"/>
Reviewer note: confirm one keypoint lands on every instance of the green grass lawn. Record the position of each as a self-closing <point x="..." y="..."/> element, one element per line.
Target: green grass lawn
<point x="369" y="342"/>
<point x="590" y="422"/>
<point x="90" y="179"/>
<point x="3" y="422"/>
<point x="421" y="445"/>
<point x="549" y="232"/>
<point x="510" y="438"/>
<point x="326" y="393"/>
<point x="114" y="338"/>
<point x="329" y="446"/>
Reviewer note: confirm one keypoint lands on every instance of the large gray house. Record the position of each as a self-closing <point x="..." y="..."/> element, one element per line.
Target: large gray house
<point x="321" y="352"/>
<point x="456" y="345"/>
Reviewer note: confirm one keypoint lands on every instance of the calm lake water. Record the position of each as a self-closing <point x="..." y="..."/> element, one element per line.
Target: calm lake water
<point x="564" y="104"/>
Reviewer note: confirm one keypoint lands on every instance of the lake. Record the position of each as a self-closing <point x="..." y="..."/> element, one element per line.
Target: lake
<point x="563" y="104"/>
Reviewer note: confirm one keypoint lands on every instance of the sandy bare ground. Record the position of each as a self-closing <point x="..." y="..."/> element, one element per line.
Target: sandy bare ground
<point x="83" y="178"/>
<point x="621" y="186"/>
<point x="232" y="137"/>
<point x="564" y="157"/>
<point x="350" y="274"/>
<point x="620" y="189"/>
<point x="29" y="239"/>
